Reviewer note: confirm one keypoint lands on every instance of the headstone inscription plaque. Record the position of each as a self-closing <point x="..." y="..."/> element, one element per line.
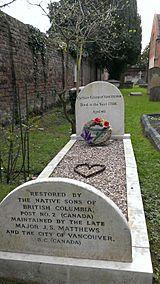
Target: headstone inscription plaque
<point x="65" y="218"/>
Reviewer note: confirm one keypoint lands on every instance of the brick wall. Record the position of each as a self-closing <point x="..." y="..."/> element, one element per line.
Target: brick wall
<point x="154" y="54"/>
<point x="154" y="61"/>
<point x="17" y="69"/>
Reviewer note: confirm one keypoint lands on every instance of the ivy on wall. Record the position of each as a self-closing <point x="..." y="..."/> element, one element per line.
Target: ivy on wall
<point x="37" y="42"/>
<point x="5" y="23"/>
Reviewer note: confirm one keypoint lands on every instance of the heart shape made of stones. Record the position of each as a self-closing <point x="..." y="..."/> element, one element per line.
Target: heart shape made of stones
<point x="86" y="170"/>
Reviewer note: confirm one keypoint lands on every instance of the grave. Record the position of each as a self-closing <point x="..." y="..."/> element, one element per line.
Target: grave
<point x="135" y="94"/>
<point x="151" y="126"/>
<point x="82" y="220"/>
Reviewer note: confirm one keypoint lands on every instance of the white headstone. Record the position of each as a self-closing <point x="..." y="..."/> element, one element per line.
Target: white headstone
<point x="100" y="99"/>
<point x="65" y="218"/>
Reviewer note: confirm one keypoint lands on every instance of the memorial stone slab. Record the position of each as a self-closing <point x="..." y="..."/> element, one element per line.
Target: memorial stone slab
<point x="100" y="99"/>
<point x="63" y="218"/>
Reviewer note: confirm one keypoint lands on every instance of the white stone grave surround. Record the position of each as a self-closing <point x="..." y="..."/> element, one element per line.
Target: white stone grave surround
<point x="34" y="268"/>
<point x="101" y="100"/>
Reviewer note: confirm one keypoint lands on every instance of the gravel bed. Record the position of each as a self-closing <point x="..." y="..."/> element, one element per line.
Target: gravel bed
<point x="112" y="181"/>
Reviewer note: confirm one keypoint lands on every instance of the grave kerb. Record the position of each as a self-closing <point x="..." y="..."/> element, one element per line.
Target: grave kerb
<point x="52" y="269"/>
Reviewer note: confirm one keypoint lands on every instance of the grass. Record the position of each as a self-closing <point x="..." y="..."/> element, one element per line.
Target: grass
<point x="148" y="163"/>
<point x="51" y="132"/>
<point x="48" y="135"/>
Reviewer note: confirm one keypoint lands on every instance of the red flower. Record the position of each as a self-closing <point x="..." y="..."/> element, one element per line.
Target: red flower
<point x="106" y="124"/>
<point x="97" y="120"/>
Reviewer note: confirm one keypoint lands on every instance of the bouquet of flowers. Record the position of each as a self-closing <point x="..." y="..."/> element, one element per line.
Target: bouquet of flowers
<point x="96" y="131"/>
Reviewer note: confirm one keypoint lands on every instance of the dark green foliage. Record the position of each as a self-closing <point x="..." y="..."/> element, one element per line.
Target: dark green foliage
<point x="121" y="42"/>
<point x="143" y="59"/>
<point x="37" y="42"/>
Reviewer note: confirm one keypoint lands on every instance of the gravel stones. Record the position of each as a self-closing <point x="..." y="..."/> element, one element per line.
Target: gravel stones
<point x="112" y="181"/>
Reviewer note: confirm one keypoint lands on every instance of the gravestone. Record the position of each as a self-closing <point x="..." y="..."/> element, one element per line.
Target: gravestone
<point x="64" y="218"/>
<point x="100" y="99"/>
<point x="135" y="94"/>
<point x="154" y="83"/>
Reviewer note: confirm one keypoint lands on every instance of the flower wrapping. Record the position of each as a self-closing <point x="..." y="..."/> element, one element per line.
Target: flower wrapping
<point x="96" y="131"/>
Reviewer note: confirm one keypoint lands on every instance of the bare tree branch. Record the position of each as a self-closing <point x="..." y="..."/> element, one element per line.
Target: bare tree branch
<point x="7" y="4"/>
<point x="38" y="5"/>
